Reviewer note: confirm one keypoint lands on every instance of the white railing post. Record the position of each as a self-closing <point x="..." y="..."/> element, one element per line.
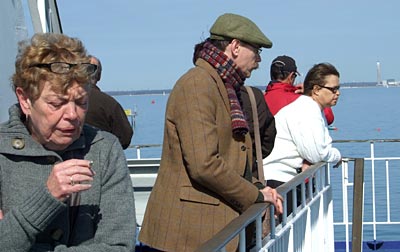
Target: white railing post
<point x="330" y="231"/>
<point x="373" y="188"/>
<point x="387" y="190"/>
<point x="345" y="182"/>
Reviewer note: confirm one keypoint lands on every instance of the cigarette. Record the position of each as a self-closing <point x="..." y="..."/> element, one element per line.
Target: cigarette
<point x="90" y="167"/>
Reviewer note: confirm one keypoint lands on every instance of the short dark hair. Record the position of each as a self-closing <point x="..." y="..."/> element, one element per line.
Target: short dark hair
<point x="277" y="73"/>
<point x="316" y="76"/>
<point x="220" y="44"/>
<point x="97" y="75"/>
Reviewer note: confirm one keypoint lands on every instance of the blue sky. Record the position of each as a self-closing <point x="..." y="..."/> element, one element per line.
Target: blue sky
<point x="149" y="44"/>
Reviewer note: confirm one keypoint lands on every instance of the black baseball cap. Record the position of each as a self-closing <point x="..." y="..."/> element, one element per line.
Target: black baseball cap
<point x="285" y="64"/>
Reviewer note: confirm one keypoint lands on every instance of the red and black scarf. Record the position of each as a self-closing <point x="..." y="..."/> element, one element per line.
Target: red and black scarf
<point x="233" y="79"/>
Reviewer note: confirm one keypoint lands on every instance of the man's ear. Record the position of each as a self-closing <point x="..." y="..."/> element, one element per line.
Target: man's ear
<point x="235" y="47"/>
<point x="23" y="100"/>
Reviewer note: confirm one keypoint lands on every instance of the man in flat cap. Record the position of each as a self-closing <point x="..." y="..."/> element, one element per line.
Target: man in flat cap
<point x="205" y="178"/>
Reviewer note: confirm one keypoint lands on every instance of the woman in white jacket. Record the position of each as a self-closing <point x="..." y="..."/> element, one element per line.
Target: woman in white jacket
<point x="302" y="134"/>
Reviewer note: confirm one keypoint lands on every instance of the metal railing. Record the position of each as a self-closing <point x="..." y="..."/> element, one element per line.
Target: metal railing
<point x="143" y="173"/>
<point x="376" y="206"/>
<point x="296" y="229"/>
<point x="138" y="149"/>
<point x="381" y="167"/>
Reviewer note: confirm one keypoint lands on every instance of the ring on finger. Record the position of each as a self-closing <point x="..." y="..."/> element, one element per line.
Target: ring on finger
<point x="71" y="179"/>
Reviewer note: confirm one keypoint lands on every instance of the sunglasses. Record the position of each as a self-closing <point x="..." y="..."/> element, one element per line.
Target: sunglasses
<point x="63" y="67"/>
<point x="334" y="90"/>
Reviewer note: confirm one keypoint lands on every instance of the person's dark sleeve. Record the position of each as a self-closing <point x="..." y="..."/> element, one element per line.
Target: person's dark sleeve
<point x="267" y="124"/>
<point x="121" y="126"/>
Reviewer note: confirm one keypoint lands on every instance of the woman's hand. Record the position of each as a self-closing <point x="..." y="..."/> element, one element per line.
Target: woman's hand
<point x="272" y="196"/>
<point x="305" y="165"/>
<point x="73" y="175"/>
<point x="338" y="164"/>
<point x="1" y="215"/>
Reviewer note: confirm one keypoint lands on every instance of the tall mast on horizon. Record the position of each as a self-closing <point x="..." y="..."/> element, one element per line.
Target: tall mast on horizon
<point x="378" y="72"/>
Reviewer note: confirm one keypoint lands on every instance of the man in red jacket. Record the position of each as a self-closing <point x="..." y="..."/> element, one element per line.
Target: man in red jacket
<point x="281" y="90"/>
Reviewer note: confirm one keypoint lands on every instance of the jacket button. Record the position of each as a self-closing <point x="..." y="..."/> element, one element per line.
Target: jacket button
<point x="243" y="148"/>
<point x="57" y="234"/>
<point x="18" y="143"/>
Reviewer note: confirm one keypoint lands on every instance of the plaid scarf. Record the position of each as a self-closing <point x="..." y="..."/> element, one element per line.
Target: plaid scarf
<point x="233" y="79"/>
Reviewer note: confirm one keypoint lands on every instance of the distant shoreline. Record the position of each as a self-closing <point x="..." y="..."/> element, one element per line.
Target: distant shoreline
<point x="167" y="91"/>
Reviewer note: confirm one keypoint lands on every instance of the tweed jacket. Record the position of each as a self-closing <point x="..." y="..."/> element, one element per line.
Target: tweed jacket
<point x="35" y="221"/>
<point x="200" y="185"/>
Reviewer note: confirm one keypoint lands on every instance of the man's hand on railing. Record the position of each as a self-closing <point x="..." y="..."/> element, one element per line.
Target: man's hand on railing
<point x="272" y="196"/>
<point x="1" y="215"/>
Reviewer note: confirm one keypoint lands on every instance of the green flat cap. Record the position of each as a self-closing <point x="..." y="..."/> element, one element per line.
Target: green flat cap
<point x="238" y="27"/>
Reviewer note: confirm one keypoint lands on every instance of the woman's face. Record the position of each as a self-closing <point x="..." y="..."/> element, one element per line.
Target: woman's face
<point x="328" y="94"/>
<point x="56" y="120"/>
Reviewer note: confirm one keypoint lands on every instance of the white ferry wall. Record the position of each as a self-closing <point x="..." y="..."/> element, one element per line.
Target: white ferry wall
<point x="13" y="29"/>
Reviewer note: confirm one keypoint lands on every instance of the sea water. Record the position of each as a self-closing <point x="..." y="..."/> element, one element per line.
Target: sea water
<point x="361" y="114"/>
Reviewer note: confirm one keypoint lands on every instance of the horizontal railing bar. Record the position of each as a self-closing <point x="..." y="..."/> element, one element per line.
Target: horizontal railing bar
<point x="300" y="178"/>
<point x="369" y="223"/>
<point x="136" y="146"/>
<point x="382" y="158"/>
<point x="334" y="141"/>
<point x="367" y="140"/>
<point x="134" y="161"/>
<point x="143" y="188"/>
